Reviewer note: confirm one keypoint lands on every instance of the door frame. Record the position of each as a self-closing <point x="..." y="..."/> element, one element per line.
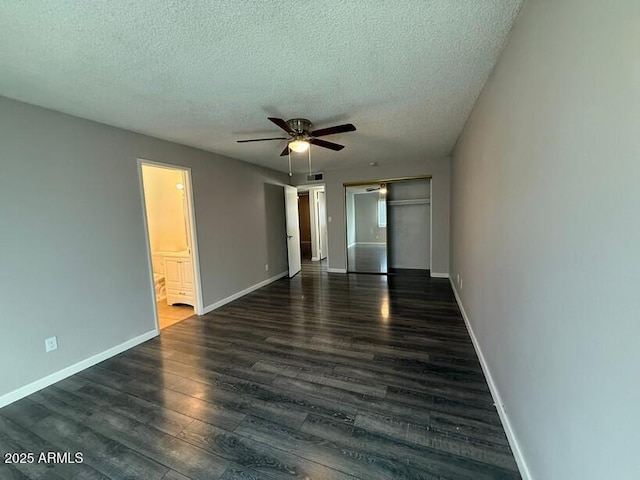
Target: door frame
<point x="386" y="180"/>
<point x="315" y="218"/>
<point x="321" y="238"/>
<point x="193" y="238"/>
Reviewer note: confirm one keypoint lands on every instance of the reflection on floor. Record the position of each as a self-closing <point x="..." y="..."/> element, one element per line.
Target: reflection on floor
<point x="170" y="314"/>
<point x="367" y="258"/>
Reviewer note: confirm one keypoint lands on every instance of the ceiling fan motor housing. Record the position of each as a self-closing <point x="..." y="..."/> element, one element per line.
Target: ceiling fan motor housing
<point x="300" y="125"/>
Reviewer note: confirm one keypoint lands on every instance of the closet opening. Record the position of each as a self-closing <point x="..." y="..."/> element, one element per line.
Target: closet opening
<point x="169" y="222"/>
<point x="388" y="226"/>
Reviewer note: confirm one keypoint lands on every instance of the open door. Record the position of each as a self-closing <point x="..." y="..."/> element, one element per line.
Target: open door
<point x="293" y="229"/>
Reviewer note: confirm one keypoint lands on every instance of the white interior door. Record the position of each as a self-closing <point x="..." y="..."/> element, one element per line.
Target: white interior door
<point x="293" y="229"/>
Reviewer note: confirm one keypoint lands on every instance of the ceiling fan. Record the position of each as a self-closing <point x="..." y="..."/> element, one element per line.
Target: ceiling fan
<point x="300" y="135"/>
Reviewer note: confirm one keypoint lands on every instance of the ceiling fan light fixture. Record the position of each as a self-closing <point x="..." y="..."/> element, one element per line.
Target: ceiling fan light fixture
<point x="299" y="146"/>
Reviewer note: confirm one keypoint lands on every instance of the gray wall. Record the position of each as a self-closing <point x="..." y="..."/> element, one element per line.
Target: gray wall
<point x="439" y="169"/>
<point x="546" y="235"/>
<point x="366" y="219"/>
<point x="74" y="259"/>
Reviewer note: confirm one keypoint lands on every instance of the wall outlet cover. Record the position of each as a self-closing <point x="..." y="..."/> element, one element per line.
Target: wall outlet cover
<point x="50" y="344"/>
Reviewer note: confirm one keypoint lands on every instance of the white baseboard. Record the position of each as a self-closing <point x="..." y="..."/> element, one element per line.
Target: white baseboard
<point x="370" y="243"/>
<point x="352" y="245"/>
<point x="497" y="399"/>
<point x="439" y="275"/>
<point x="73" y="369"/>
<point x="337" y="270"/>
<point x="242" y="293"/>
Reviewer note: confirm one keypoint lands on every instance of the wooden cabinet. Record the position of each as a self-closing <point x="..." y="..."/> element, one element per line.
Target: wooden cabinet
<point x="179" y="280"/>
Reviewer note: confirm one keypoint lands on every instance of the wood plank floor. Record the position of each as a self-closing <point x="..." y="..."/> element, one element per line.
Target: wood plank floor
<point x="324" y="376"/>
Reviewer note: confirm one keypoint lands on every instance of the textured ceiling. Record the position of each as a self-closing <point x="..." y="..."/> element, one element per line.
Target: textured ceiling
<point x="206" y="73"/>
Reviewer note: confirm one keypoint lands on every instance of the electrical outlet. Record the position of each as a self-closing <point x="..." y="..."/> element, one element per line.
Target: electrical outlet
<point x="266" y="267"/>
<point x="50" y="344"/>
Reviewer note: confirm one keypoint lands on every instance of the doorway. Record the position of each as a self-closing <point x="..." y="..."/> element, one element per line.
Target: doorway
<point x="313" y="222"/>
<point x="168" y="214"/>
<point x="304" y="215"/>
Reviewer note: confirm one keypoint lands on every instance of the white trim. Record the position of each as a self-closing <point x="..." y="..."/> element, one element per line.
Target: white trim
<point x="242" y="293"/>
<point x="75" y="368"/>
<point x="414" y="201"/>
<point x="497" y="399"/>
<point x="336" y="270"/>
<point x="370" y="243"/>
<point x="439" y="275"/>
<point x="315" y="259"/>
<point x="352" y="245"/>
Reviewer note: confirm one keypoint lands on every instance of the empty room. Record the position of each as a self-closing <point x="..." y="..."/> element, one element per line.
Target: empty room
<point x="320" y="240"/>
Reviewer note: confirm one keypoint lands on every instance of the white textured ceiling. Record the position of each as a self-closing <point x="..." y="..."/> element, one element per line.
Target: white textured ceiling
<point x="205" y="73"/>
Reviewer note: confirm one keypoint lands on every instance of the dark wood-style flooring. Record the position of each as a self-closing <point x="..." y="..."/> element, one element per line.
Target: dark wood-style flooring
<point x="324" y="376"/>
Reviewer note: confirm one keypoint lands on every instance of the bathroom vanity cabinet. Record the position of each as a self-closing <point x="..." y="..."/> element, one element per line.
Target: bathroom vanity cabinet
<point x="179" y="279"/>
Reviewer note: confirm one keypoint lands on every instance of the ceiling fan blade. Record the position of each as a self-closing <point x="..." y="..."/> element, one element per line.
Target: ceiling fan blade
<point x="285" y="152"/>
<point x="282" y="124"/>
<point x="261" y="139"/>
<point x="347" y="127"/>
<point x="325" y="144"/>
